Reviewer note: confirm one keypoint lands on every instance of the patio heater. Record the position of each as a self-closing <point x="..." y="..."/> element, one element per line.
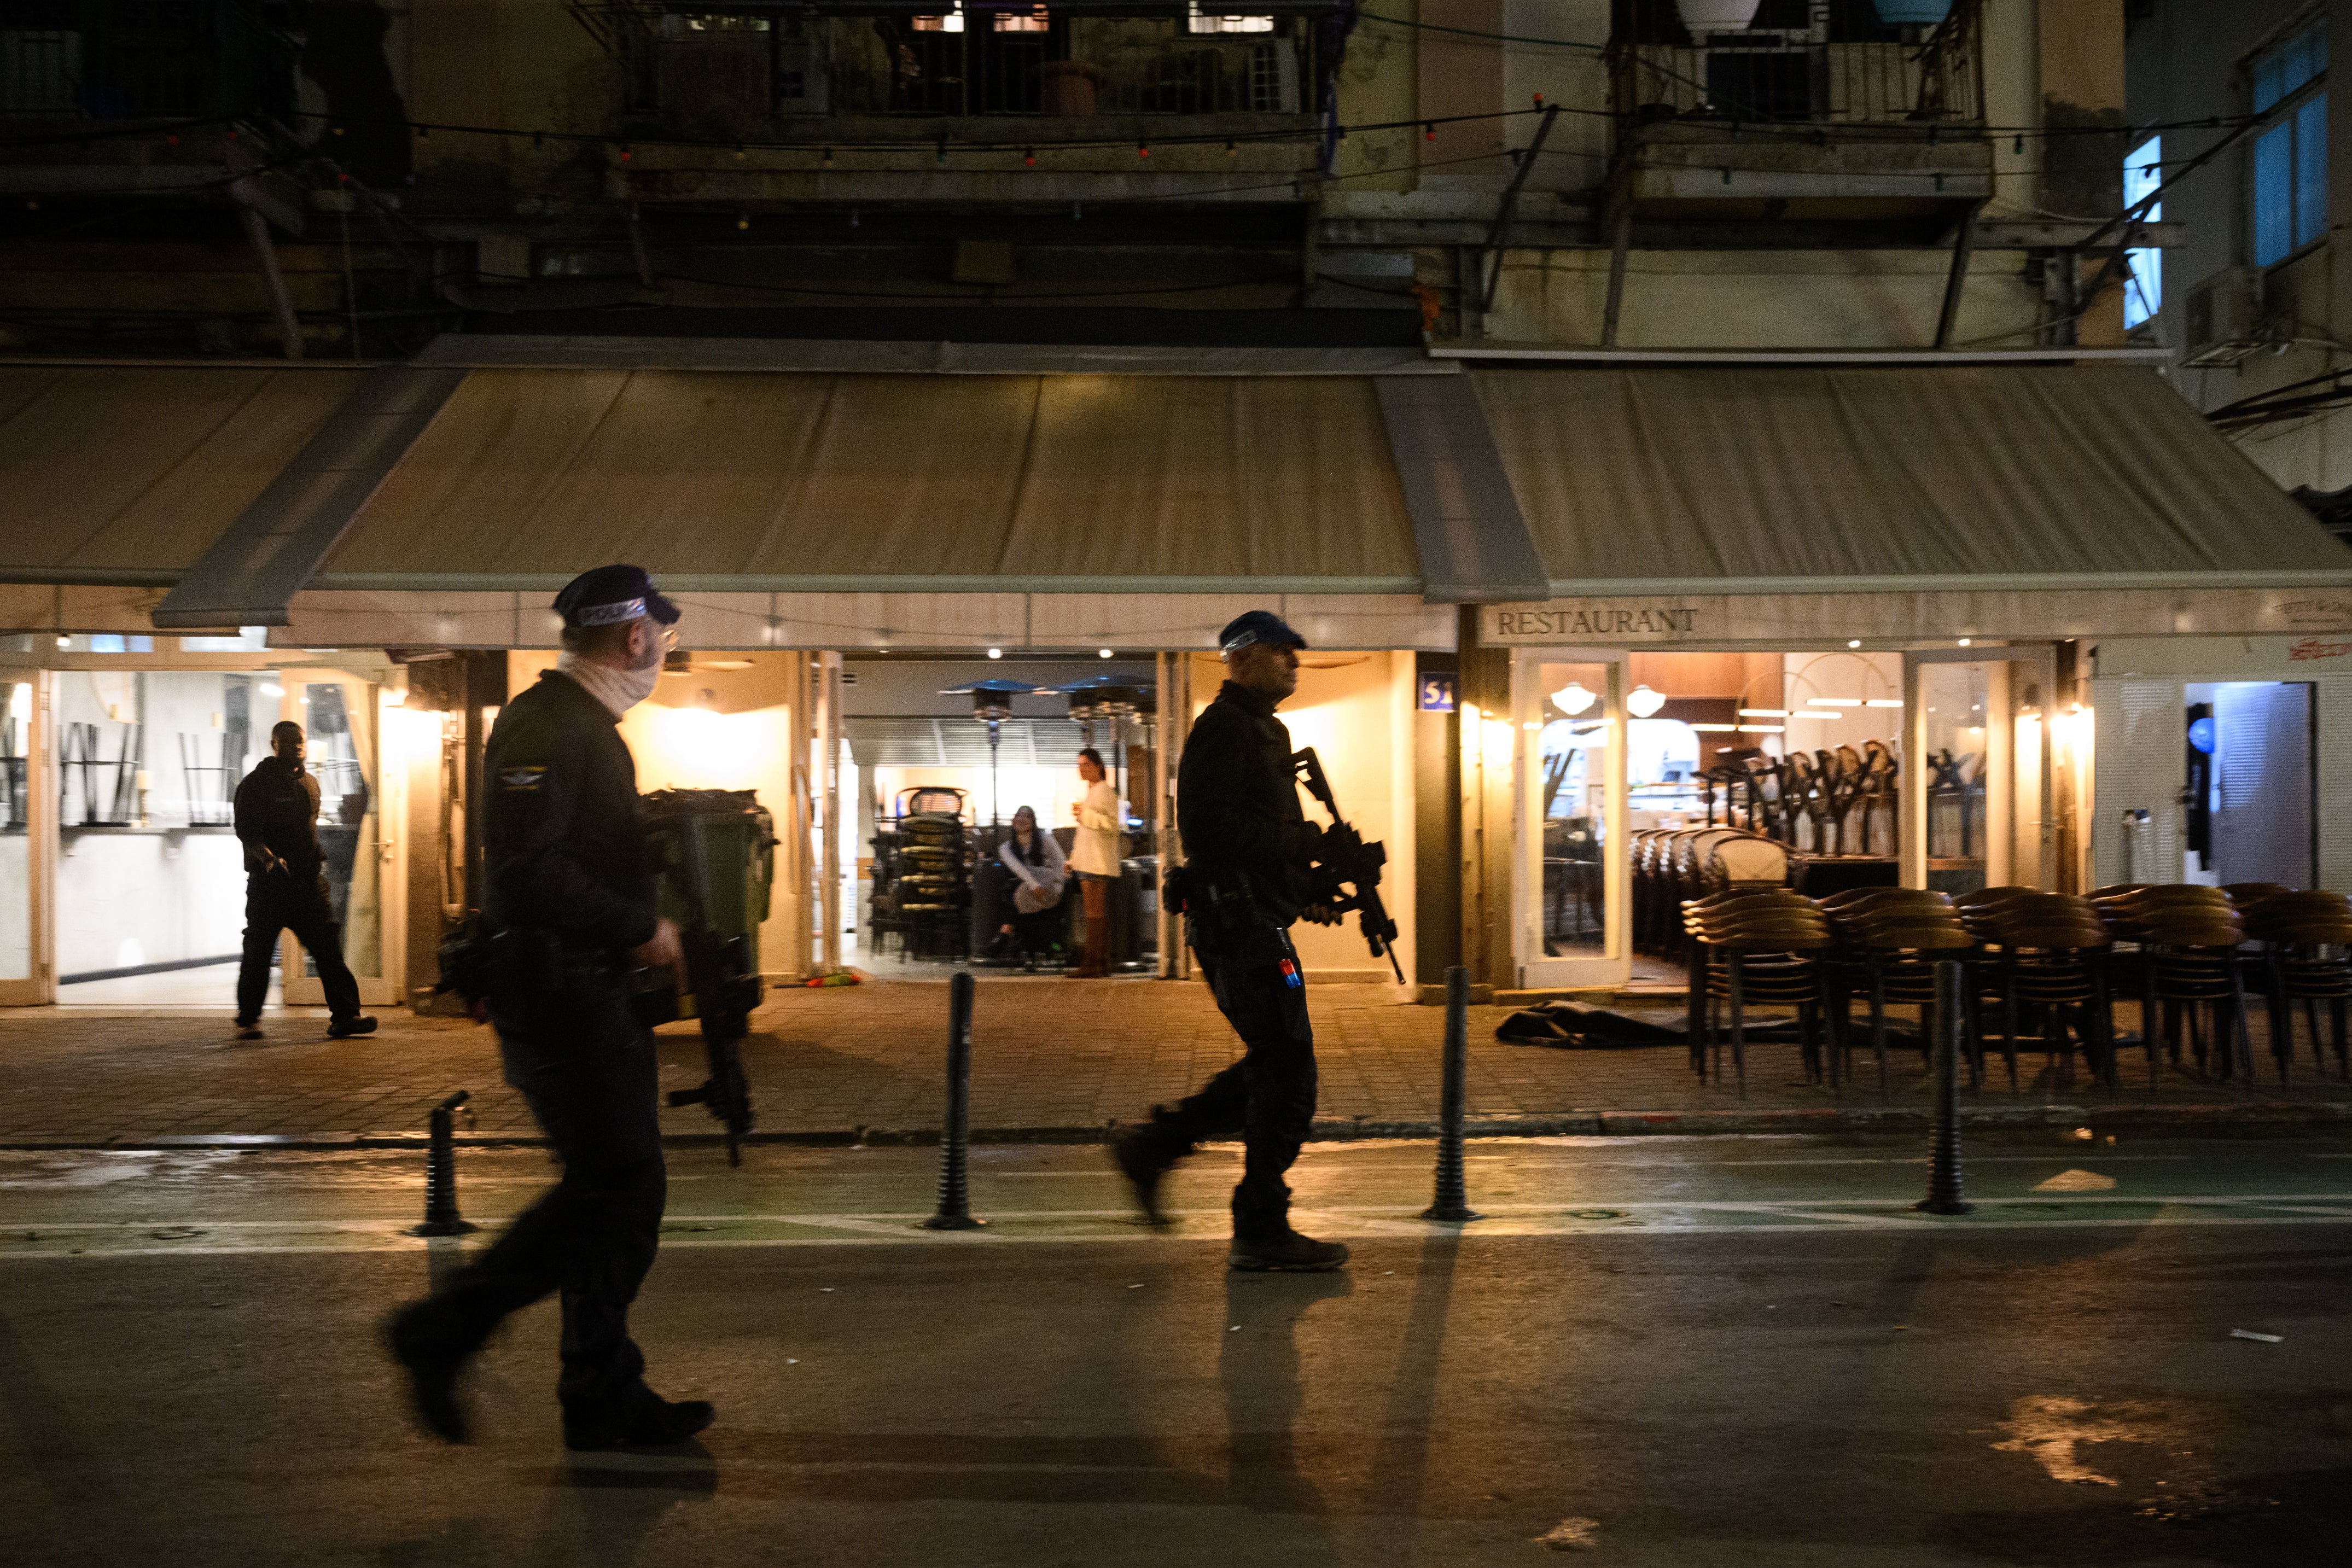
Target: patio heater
<point x="992" y="704"/>
<point x="1115" y="698"/>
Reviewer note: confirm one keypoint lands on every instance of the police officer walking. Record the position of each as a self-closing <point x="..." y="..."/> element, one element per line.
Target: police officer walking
<point x="1250" y="855"/>
<point x="276" y="813"/>
<point x="570" y="905"/>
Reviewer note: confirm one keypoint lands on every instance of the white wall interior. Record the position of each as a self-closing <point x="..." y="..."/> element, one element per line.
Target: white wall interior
<point x="16" y="906"/>
<point x="126" y="899"/>
<point x="164" y="882"/>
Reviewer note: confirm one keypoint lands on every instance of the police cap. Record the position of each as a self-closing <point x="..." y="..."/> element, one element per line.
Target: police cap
<point x="612" y="594"/>
<point x="1257" y="626"/>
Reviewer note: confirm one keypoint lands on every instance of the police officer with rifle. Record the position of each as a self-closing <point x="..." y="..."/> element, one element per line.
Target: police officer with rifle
<point x="1254" y="864"/>
<point x="570" y="909"/>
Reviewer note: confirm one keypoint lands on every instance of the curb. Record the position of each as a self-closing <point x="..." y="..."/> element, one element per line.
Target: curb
<point x="2260" y="1116"/>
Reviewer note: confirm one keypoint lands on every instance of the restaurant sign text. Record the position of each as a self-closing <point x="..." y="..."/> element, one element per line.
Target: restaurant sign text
<point x="1503" y="625"/>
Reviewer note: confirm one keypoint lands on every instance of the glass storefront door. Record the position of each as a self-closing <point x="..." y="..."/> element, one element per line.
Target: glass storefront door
<point x="25" y="811"/>
<point x="1977" y="772"/>
<point x="1570" y="885"/>
<point x="338" y="713"/>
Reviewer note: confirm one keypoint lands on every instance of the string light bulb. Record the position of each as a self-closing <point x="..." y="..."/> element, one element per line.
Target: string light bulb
<point x="625" y="153"/>
<point x="826" y="161"/>
<point x="1232" y="150"/>
<point x="1429" y="130"/>
<point x="742" y="221"/>
<point x="738" y="152"/>
<point x="1143" y="150"/>
<point x="1029" y="157"/>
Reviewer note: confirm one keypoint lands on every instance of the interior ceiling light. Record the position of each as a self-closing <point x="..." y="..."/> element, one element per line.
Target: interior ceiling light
<point x="1713" y="728"/>
<point x="1641" y="701"/>
<point x="1102" y="653"/>
<point x="996" y="653"/>
<point x="1763" y="713"/>
<point x="1572" y="699"/>
<point x="1883" y="702"/>
<point x="1853" y="643"/>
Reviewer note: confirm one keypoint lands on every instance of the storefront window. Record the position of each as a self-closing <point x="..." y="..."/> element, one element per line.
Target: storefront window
<point x="15" y="814"/>
<point x="1954" y="700"/>
<point x="1571" y="782"/>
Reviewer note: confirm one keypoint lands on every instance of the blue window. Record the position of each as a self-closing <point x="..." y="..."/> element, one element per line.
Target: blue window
<point x="2291" y="156"/>
<point x="2144" y="284"/>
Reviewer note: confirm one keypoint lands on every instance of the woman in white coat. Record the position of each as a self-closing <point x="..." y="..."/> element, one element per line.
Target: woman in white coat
<point x="1094" y="857"/>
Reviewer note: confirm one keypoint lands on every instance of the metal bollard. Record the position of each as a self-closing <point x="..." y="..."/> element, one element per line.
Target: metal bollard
<point x="955" y="1134"/>
<point x="1451" y="1200"/>
<point x="1944" y="1149"/>
<point x="441" y="1217"/>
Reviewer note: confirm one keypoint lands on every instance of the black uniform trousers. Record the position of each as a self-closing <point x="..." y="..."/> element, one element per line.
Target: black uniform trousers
<point x="278" y="900"/>
<point x="1268" y="1096"/>
<point x="586" y="1067"/>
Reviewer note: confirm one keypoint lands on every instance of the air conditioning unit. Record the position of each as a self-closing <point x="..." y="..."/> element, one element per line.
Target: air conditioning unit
<point x="2223" y="318"/>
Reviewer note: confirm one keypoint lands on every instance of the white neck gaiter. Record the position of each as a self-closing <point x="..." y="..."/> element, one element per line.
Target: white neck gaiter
<point x="619" y="690"/>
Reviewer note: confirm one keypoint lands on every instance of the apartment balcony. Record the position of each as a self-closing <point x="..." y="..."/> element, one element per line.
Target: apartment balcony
<point x="1047" y="103"/>
<point x="1816" y="132"/>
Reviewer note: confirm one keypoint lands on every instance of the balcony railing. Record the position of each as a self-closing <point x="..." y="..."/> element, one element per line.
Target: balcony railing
<point x="1860" y="74"/>
<point x="740" y="75"/>
<point x="141" y="60"/>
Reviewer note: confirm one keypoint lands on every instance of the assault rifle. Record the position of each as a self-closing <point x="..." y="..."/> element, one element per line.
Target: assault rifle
<point x="1348" y="868"/>
<point x="720" y="985"/>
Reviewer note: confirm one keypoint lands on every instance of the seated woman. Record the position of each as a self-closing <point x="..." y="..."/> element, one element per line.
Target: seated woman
<point x="1035" y="858"/>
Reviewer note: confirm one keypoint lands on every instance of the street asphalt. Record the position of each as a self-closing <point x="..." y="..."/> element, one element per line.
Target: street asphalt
<point x="1666" y="1351"/>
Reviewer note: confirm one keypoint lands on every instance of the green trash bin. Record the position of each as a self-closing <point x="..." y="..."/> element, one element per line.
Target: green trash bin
<point x="714" y="860"/>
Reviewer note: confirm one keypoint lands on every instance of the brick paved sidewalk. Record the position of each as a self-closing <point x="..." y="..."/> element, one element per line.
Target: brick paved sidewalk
<point x="1051" y="1056"/>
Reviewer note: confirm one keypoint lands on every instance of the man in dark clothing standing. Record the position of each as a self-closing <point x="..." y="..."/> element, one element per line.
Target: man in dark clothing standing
<point x="285" y="889"/>
<point x="1250" y="855"/>
<point x="571" y="904"/>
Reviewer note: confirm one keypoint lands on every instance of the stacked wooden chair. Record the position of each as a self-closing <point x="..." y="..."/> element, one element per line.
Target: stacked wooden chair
<point x="2048" y="957"/>
<point x="2306" y="957"/>
<point x="1762" y="946"/>
<point x="1890" y="940"/>
<point x="2188" y="939"/>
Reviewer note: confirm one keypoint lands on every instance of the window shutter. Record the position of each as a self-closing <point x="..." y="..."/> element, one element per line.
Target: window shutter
<point x="2141" y="739"/>
<point x="2263" y="833"/>
<point x="2332" y="696"/>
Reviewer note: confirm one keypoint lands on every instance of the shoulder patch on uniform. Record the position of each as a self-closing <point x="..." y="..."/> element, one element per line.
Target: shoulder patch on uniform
<point x="521" y="778"/>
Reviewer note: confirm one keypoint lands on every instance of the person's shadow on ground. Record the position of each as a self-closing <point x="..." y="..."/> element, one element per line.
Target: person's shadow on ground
<point x="1258" y="1369"/>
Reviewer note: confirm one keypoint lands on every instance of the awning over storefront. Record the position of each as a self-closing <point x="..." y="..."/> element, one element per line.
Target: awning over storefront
<point x="808" y="483"/>
<point x="125" y="476"/>
<point x="1806" y="479"/>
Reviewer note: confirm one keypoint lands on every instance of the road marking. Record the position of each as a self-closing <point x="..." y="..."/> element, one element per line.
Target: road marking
<point x="118" y="1239"/>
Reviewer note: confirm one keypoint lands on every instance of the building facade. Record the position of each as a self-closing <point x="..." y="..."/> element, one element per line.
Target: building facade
<point x="1648" y="410"/>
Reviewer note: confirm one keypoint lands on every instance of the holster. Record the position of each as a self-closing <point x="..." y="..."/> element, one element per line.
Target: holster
<point x="531" y="963"/>
<point x="1224" y="916"/>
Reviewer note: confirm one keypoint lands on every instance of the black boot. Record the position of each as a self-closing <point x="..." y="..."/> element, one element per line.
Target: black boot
<point x="1144" y="1152"/>
<point x="645" y="1421"/>
<point x="433" y="1361"/>
<point x="1289" y="1253"/>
